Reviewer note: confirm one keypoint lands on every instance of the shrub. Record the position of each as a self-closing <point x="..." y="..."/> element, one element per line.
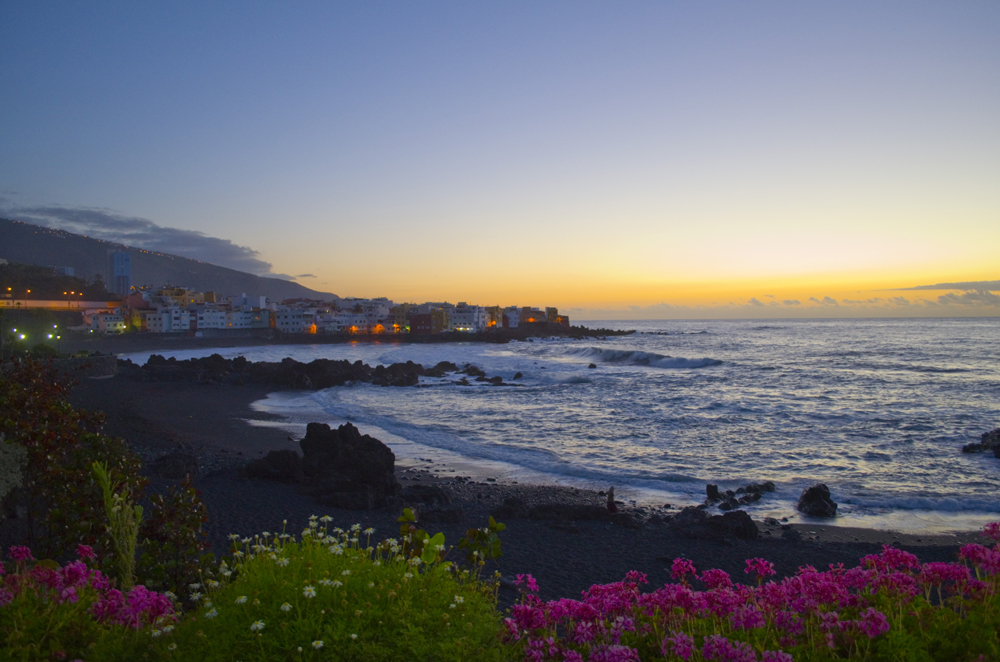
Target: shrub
<point x="71" y="612"/>
<point x="331" y="595"/>
<point x="891" y="607"/>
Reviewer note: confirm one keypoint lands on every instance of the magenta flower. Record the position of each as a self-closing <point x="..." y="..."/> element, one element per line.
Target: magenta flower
<point x="992" y="531"/>
<point x="716" y="578"/>
<point x="720" y="649"/>
<point x="681" y="568"/>
<point x="85" y="552"/>
<point x="615" y="654"/>
<point x="20" y="553"/>
<point x="760" y="567"/>
<point x="679" y="644"/>
<point x="532" y="585"/>
<point x="873" y="623"/>
<point x="776" y="656"/>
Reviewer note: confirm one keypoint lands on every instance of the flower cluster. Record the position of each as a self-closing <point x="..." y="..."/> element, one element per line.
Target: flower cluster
<point x="845" y="612"/>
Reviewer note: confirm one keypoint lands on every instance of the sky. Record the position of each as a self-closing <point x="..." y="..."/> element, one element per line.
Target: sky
<point x="617" y="160"/>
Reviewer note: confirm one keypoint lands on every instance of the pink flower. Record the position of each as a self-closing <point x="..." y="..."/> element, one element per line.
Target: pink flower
<point x="615" y="654"/>
<point x="85" y="552"/>
<point x="679" y="644"/>
<point x="20" y="553"/>
<point x="529" y="580"/>
<point x="681" y="568"/>
<point x="936" y="573"/>
<point x="776" y="656"/>
<point x="720" y="649"/>
<point x="760" y="567"/>
<point x="873" y="623"/>
<point x="992" y="531"/>
<point x="717" y="579"/>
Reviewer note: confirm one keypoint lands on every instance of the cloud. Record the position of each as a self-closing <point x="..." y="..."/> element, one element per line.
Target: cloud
<point x="771" y="296"/>
<point x="755" y="302"/>
<point x="792" y="302"/>
<point x="971" y="298"/>
<point x="113" y="226"/>
<point x="825" y="301"/>
<point x="305" y="276"/>
<point x="899" y="301"/>
<point x="978" y="285"/>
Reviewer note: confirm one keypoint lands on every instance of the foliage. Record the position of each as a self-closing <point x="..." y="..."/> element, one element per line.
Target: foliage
<point x="123" y="525"/>
<point x="64" y="502"/>
<point x="331" y="595"/>
<point x="173" y="542"/>
<point x="72" y="612"/>
<point x="483" y="544"/>
<point x="12" y="458"/>
<point x="891" y="607"/>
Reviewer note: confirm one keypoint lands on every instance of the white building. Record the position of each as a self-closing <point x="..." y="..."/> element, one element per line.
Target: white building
<point x="109" y="323"/>
<point x="512" y="316"/>
<point x="293" y="321"/>
<point x="466" y="318"/>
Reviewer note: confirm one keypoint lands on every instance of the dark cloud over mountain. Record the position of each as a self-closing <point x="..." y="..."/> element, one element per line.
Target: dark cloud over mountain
<point x="110" y="225"/>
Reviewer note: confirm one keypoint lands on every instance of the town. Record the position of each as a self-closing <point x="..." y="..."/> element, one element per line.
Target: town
<point x="182" y="310"/>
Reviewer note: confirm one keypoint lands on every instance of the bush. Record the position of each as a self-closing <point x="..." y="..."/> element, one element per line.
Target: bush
<point x="71" y="612"/>
<point x="891" y="607"/>
<point x="331" y="596"/>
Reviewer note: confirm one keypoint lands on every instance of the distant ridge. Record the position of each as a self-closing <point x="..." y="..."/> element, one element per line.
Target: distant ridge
<point x="34" y="244"/>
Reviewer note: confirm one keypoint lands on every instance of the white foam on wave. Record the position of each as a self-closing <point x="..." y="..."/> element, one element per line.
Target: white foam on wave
<point x="636" y="357"/>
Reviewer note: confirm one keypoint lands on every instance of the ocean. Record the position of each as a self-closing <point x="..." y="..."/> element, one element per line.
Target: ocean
<point x="876" y="409"/>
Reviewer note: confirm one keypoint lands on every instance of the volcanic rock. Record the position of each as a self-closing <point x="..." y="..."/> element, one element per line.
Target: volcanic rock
<point x="347" y="469"/>
<point x="282" y="466"/>
<point x="175" y="466"/>
<point x="816" y="502"/>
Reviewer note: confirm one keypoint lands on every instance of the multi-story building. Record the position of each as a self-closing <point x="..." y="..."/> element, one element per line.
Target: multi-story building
<point x="511" y="317"/>
<point x="467" y="319"/>
<point x="109" y="323"/>
<point x="120" y="272"/>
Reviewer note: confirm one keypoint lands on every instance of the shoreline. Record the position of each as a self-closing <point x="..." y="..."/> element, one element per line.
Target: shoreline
<point x="214" y="423"/>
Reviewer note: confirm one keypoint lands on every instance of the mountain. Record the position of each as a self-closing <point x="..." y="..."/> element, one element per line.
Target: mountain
<point x="34" y="244"/>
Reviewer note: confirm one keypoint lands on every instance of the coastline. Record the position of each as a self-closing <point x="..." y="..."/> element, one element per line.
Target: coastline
<point x="212" y="422"/>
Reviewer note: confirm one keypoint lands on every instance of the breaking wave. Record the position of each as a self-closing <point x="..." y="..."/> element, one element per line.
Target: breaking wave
<point x="634" y="357"/>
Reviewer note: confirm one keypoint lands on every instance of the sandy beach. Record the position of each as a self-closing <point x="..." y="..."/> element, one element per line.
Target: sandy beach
<point x="211" y="422"/>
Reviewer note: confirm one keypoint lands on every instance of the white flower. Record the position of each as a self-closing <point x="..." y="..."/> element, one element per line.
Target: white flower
<point x="376" y="563"/>
<point x="213" y="584"/>
<point x="355" y="527"/>
<point x="242" y="600"/>
<point x="354" y="636"/>
<point x="325" y="582"/>
<point x="317" y="644"/>
<point x="408" y="576"/>
<point x="226" y="573"/>
<point x="282" y="562"/>
<point x="346" y="573"/>
<point x="439" y="548"/>
<point x="451" y="606"/>
<point x="415" y="561"/>
<point x="212" y="614"/>
<point x="369" y="530"/>
<point x="371" y="584"/>
<point x="194" y="587"/>
<point x="325" y="519"/>
<point x="257" y="626"/>
<point x="336" y="584"/>
<point x="336" y="550"/>
<point x="459" y="599"/>
<point x="286" y="607"/>
<point x="172" y="646"/>
<point x="309" y="592"/>
<point x="155" y="633"/>
<point x="234" y="536"/>
<point x="167" y="629"/>
<point x="313" y="517"/>
<point x="196" y="596"/>
<point x="170" y="595"/>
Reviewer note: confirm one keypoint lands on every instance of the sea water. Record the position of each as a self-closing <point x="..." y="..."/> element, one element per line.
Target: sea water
<point x="876" y="409"/>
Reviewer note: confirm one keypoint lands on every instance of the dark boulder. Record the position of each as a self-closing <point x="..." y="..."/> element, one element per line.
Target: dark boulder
<point x="281" y="466"/>
<point x="345" y="467"/>
<point x="694" y="523"/>
<point x="712" y="493"/>
<point x="816" y="502"/>
<point x="990" y="441"/>
<point x="175" y="466"/>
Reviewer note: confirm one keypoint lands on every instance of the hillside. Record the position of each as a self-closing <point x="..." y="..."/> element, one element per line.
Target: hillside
<point x="33" y="244"/>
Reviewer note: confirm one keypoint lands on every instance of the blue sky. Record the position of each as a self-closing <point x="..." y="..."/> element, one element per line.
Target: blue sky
<point x="620" y="155"/>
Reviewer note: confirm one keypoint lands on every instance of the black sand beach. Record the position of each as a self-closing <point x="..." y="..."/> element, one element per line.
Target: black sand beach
<point x="566" y="557"/>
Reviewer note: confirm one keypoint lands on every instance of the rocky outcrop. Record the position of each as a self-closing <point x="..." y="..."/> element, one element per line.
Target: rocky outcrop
<point x="990" y="441"/>
<point x="289" y="373"/>
<point x="816" y="502"/>
<point x="282" y="466"/>
<point x="696" y="524"/>
<point x="730" y="500"/>
<point x="346" y="469"/>
<point x="341" y="468"/>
